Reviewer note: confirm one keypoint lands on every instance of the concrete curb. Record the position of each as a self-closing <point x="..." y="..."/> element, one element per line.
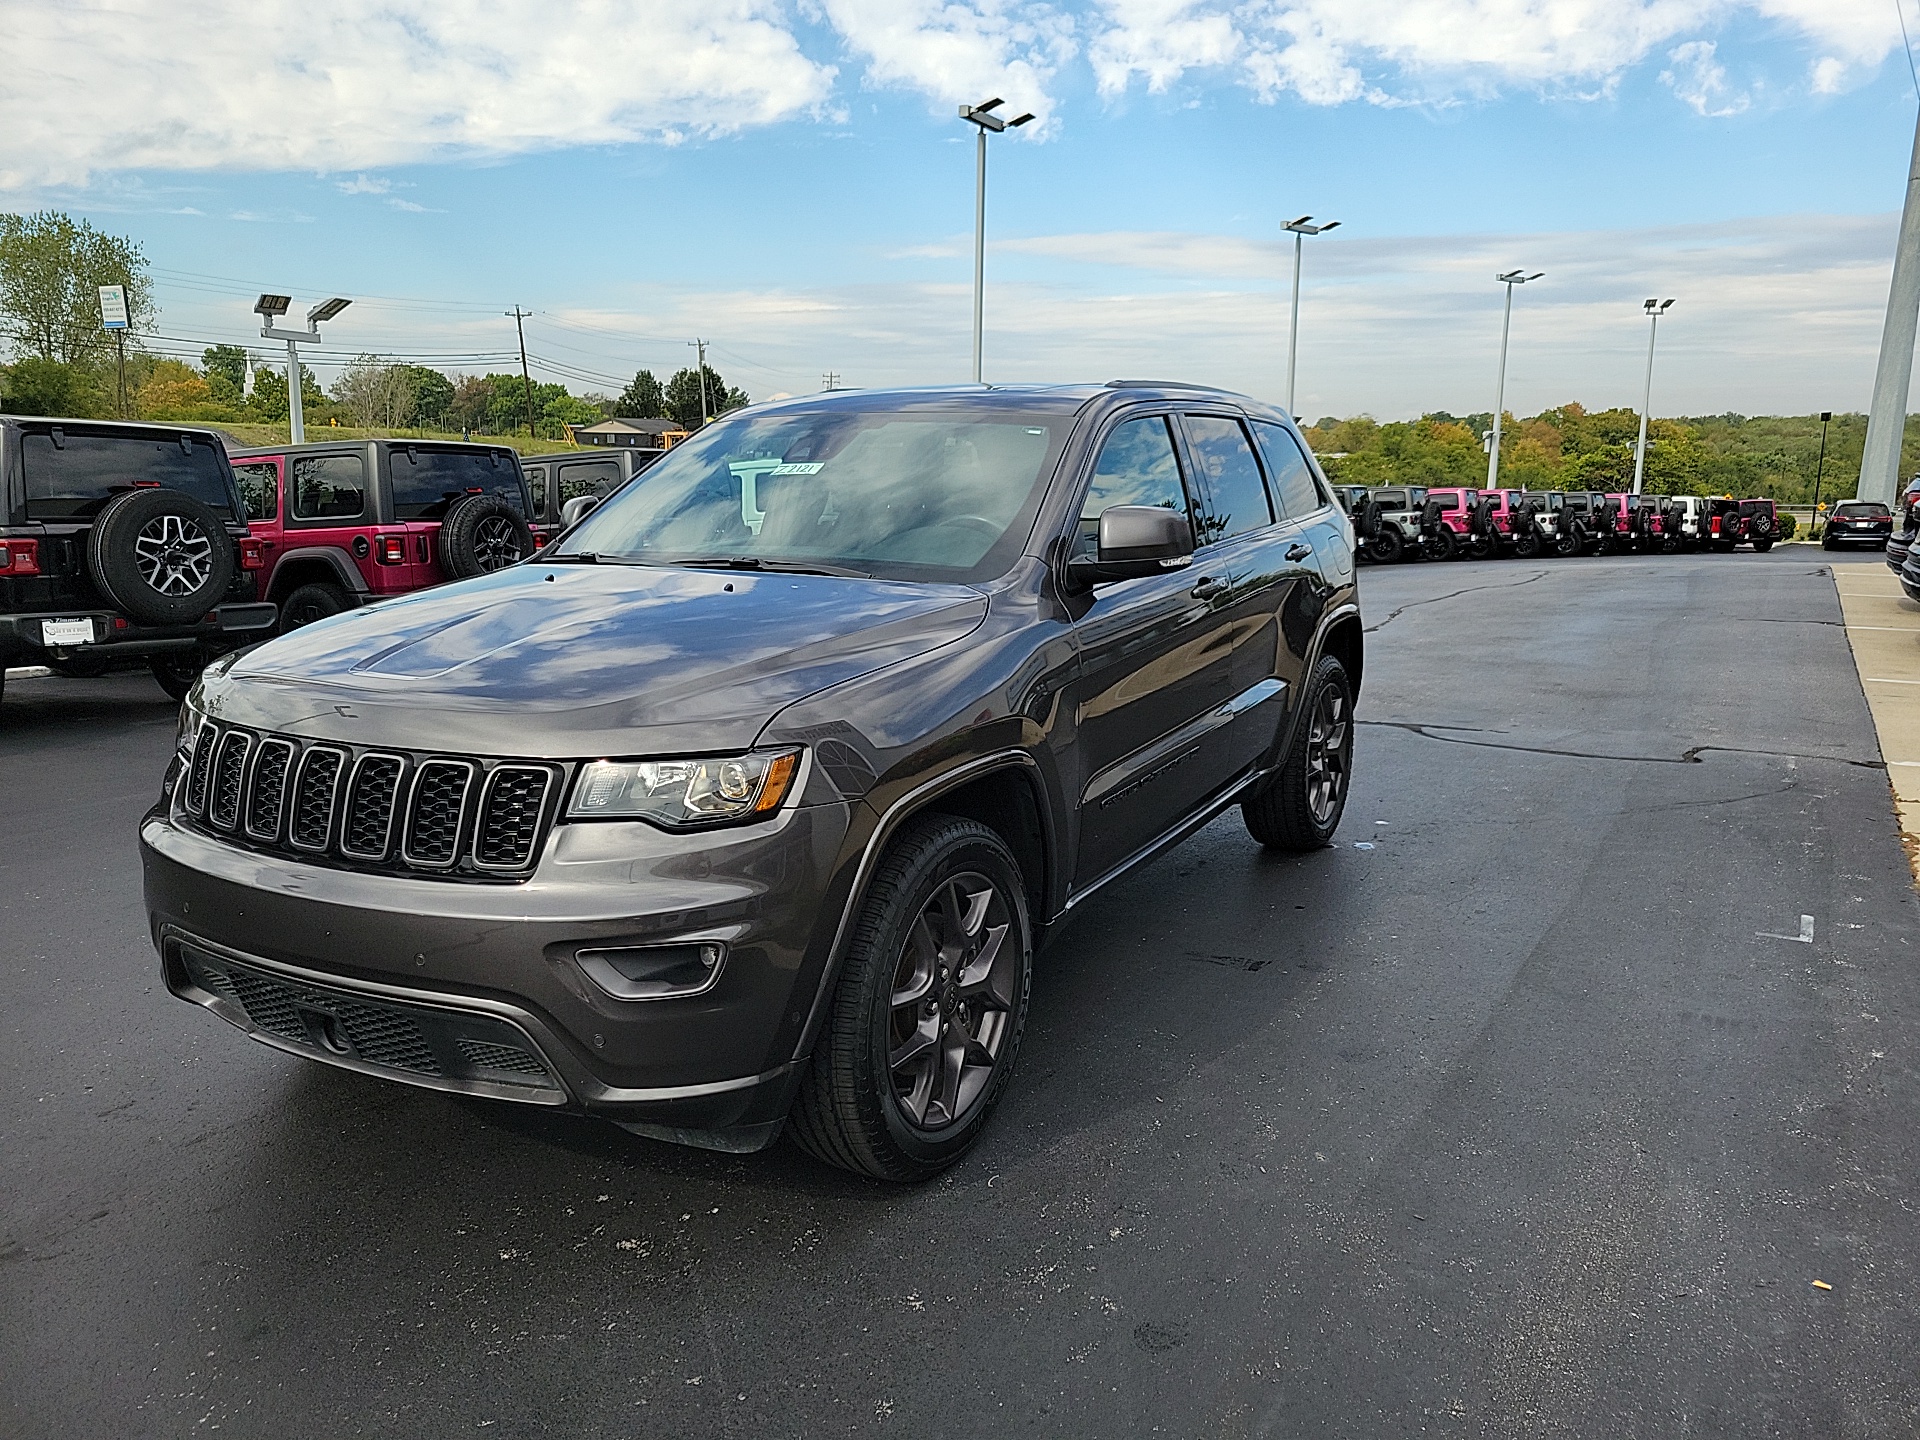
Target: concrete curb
<point x="1883" y="627"/>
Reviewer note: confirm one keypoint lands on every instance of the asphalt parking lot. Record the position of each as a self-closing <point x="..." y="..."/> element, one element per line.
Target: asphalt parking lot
<point x="1533" y="1115"/>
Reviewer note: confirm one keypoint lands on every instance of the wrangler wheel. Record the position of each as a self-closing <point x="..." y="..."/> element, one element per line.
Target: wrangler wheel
<point x="928" y="1010"/>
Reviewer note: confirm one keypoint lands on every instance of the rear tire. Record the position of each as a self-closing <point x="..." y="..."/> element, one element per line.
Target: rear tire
<point x="1760" y="547"/>
<point x="1441" y="545"/>
<point x="310" y="603"/>
<point x="928" y="1011"/>
<point x="1387" y="547"/>
<point x="1299" y="806"/>
<point x="81" y="666"/>
<point x="176" y="670"/>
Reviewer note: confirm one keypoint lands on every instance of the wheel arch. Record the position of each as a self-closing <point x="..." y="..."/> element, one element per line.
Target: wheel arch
<point x="1346" y="641"/>
<point x="311" y="565"/>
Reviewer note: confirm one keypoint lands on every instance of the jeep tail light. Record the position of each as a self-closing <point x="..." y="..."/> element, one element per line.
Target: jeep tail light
<point x="391" y="549"/>
<point x="253" y="555"/>
<point x="19" y="557"/>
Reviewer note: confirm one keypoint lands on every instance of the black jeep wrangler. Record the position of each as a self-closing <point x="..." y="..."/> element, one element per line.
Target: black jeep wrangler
<point x="121" y="540"/>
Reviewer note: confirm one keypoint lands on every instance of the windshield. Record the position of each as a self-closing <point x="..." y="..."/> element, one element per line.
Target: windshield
<point x="426" y="481"/>
<point x="70" y="475"/>
<point x="947" y="495"/>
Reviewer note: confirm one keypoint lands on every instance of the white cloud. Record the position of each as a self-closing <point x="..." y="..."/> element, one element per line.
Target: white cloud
<point x="1326" y="50"/>
<point x="116" y="86"/>
<point x="276" y="85"/>
<point x="364" y="185"/>
<point x="957" y="52"/>
<point x="1701" y="81"/>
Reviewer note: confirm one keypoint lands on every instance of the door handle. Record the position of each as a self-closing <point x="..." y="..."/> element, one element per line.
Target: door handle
<point x="1206" y="587"/>
<point x="1298" y="551"/>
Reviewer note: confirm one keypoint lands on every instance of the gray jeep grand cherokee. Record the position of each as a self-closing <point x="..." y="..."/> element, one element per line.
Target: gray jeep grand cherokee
<point x="744" y="804"/>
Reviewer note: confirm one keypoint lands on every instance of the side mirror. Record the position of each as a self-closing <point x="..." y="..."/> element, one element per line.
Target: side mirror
<point x="576" y="509"/>
<point x="1135" y="540"/>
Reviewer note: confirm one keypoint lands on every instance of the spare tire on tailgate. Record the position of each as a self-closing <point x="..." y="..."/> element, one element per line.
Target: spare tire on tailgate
<point x="481" y="534"/>
<point x="160" y="555"/>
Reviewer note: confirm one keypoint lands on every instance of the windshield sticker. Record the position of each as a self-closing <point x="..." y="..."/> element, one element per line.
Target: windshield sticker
<point x="812" y="467"/>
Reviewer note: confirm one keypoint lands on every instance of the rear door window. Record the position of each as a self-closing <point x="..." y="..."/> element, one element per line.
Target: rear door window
<point x="1294" y="493"/>
<point x="597" y="478"/>
<point x="75" y="477"/>
<point x="537" y="489"/>
<point x="329" y="487"/>
<point x="259" y="487"/>
<point x="427" y="481"/>
<point x="1236" y="494"/>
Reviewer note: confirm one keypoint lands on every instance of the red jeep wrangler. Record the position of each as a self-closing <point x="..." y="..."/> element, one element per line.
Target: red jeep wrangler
<point x="353" y="521"/>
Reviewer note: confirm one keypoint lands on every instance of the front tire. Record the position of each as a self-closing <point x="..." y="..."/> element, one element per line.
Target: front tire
<point x="929" y="1008"/>
<point x="1299" y="806"/>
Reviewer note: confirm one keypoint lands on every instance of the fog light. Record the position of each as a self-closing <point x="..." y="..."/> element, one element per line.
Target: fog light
<point x="654" y="972"/>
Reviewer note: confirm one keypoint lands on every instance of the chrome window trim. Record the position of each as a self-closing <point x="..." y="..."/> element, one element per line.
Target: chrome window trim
<point x="460" y="824"/>
<point x="333" y="800"/>
<point x="555" y="783"/>
<point x="400" y="789"/>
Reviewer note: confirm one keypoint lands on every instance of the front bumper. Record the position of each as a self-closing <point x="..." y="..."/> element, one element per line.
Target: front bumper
<point x="114" y="634"/>
<point x="316" y="958"/>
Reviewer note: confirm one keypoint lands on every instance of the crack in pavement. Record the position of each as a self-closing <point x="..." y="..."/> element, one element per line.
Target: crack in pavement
<point x="1454" y="595"/>
<point x="1690" y="756"/>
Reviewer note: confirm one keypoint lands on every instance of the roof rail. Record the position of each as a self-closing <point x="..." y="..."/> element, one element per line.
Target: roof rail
<point x="1166" y="385"/>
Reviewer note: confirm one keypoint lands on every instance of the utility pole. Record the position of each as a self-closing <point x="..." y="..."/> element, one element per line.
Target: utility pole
<point x="830" y="380"/>
<point x="700" y="348"/>
<point x="1887" y="420"/>
<point x="526" y="379"/>
<point x="1655" y="309"/>
<point x="1510" y="279"/>
<point x="1820" y="468"/>
<point x="1299" y="228"/>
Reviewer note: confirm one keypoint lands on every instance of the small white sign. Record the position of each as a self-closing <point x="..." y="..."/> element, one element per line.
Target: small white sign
<point x="113" y="307"/>
<point x="66" y="632"/>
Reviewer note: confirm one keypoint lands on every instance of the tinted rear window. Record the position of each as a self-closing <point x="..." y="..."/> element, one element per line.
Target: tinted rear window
<point x="427" y="481"/>
<point x="1862" y="509"/>
<point x="1391" y="499"/>
<point x="74" y="479"/>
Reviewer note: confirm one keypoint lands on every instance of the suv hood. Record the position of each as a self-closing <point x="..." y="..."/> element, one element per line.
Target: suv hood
<point x="566" y="661"/>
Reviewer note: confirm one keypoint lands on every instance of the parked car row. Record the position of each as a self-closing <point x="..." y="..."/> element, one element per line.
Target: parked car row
<point x="128" y="544"/>
<point x="1414" y="522"/>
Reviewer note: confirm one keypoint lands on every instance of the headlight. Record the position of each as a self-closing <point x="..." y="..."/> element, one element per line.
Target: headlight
<point x="684" y="792"/>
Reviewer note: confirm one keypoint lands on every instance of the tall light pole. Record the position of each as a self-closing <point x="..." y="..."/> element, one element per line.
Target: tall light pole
<point x="979" y="115"/>
<point x="270" y="308"/>
<point x="1510" y="279"/>
<point x="1655" y="309"/>
<point x="1887" y="420"/>
<point x="700" y="350"/>
<point x="1820" y="467"/>
<point x="1300" y="229"/>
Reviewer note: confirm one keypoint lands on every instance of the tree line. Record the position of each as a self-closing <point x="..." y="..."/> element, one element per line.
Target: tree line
<point x="64" y="363"/>
<point x="1569" y="447"/>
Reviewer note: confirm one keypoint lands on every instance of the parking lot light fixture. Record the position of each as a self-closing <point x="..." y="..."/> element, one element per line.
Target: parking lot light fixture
<point x="983" y="117"/>
<point x="1655" y="309"/>
<point x="1300" y="229"/>
<point x="270" y="308"/>
<point x="1510" y="279"/>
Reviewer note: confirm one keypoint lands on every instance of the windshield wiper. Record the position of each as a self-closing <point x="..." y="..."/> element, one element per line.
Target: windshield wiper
<point x="771" y="567"/>
<point x="574" y="557"/>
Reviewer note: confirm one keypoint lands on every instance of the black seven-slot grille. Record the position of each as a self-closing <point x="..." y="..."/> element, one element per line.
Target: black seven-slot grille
<point x="371" y="808"/>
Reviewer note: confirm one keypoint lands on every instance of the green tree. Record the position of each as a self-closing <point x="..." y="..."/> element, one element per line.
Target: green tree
<point x="269" y="400"/>
<point x="432" y="396"/>
<point x="643" y="399"/>
<point x="226" y="371"/>
<point x="51" y="268"/>
<point x="471" y="403"/>
<point x="683" y="397"/>
<point x="34" y="386"/>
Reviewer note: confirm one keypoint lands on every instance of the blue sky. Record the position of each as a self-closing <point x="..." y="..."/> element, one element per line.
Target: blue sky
<point x="792" y="184"/>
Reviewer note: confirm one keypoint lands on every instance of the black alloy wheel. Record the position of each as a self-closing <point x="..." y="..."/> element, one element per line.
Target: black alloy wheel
<point x="482" y="534"/>
<point x="495" y="544"/>
<point x="1299" y="806"/>
<point x="1441" y="544"/>
<point x="1527" y="546"/>
<point x="928" y="1010"/>
<point x="1481" y="545"/>
<point x="1387" y="547"/>
<point x="1566" y="542"/>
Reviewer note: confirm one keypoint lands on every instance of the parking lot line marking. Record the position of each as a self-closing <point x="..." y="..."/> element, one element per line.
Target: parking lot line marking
<point x="1884" y="680"/>
<point x="1899" y="629"/>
